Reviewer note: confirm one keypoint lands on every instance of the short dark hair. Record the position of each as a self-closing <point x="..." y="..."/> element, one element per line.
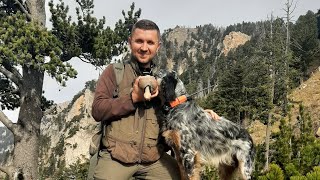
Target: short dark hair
<point x="145" y="24"/>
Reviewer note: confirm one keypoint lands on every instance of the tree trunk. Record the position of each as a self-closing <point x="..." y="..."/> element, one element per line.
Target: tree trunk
<point x="200" y="89"/>
<point x="26" y="138"/>
<point x="209" y="84"/>
<point x="289" y="10"/>
<point x="266" y="165"/>
<point x="36" y="9"/>
<point x="26" y="141"/>
<point x="268" y="129"/>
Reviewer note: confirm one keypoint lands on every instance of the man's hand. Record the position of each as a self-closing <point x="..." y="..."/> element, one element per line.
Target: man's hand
<point x="214" y="115"/>
<point x="137" y="92"/>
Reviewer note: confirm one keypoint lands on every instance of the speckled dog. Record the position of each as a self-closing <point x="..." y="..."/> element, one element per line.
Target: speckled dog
<point x="198" y="140"/>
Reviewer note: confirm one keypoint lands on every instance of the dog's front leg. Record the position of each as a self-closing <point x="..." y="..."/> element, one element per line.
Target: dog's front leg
<point x="226" y="171"/>
<point x="197" y="167"/>
<point x="173" y="139"/>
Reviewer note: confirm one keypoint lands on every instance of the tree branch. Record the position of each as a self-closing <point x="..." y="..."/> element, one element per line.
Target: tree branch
<point x="294" y="8"/>
<point x="14" y="77"/>
<point x="15" y="91"/>
<point x="16" y="73"/>
<point x="85" y="58"/>
<point x="88" y="59"/>
<point x="4" y="7"/>
<point x="296" y="44"/>
<point x="23" y="9"/>
<point x="215" y="87"/>
<point x="6" y="121"/>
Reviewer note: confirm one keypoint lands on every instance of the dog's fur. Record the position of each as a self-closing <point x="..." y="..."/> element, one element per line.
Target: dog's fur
<point x="198" y="140"/>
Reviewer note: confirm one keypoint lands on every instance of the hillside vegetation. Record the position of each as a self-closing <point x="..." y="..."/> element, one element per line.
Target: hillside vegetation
<point x="260" y="79"/>
<point x="308" y="94"/>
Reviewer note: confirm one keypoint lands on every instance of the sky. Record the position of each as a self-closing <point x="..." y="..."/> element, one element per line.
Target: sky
<point x="169" y="14"/>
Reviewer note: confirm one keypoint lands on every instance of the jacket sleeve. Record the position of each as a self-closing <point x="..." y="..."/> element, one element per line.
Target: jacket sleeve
<point x="104" y="106"/>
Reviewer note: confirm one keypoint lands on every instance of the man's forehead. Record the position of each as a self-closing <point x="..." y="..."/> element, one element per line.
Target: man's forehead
<point x="148" y="32"/>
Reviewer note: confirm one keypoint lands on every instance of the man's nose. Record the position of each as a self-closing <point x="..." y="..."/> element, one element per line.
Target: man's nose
<point x="144" y="47"/>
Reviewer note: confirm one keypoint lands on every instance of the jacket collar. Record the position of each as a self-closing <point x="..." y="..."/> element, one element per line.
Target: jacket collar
<point x="136" y="67"/>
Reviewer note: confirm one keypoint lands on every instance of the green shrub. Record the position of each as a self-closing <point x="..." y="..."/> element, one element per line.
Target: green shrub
<point x="274" y="173"/>
<point x="210" y="173"/>
<point x="315" y="174"/>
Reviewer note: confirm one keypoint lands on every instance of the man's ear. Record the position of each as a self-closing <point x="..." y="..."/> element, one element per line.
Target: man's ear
<point x="130" y="43"/>
<point x="129" y="40"/>
<point x="159" y="46"/>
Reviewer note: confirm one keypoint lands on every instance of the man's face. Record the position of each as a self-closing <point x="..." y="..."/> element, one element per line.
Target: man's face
<point x="144" y="45"/>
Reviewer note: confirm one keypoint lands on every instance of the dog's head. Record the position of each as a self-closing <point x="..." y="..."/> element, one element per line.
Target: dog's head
<point x="170" y="85"/>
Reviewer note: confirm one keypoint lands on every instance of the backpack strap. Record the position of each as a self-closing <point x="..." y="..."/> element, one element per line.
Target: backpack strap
<point x="118" y="69"/>
<point x="95" y="145"/>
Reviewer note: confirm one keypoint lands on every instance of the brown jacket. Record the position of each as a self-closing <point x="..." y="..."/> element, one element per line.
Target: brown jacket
<point x="133" y="129"/>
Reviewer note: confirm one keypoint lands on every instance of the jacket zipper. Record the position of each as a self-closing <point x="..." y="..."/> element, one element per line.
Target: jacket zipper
<point x="142" y="135"/>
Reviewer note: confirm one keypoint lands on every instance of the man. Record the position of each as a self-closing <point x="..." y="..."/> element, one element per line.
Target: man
<point x="131" y="146"/>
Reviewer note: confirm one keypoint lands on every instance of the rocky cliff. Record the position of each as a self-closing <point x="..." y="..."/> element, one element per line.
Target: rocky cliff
<point x="184" y="47"/>
<point x="66" y="131"/>
<point x="234" y="40"/>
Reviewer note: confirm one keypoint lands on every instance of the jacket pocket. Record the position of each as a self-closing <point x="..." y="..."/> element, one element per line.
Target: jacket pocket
<point x="152" y="126"/>
<point x="151" y="153"/>
<point x="126" y="152"/>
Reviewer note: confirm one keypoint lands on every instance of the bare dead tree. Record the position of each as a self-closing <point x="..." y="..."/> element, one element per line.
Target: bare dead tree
<point x="290" y="7"/>
<point x="272" y="77"/>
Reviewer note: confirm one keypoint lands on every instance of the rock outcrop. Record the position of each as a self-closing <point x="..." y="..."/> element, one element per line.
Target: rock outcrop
<point x="66" y="132"/>
<point x="234" y="40"/>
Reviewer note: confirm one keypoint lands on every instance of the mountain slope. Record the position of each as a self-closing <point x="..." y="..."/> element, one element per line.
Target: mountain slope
<point x="308" y="94"/>
<point x="66" y="133"/>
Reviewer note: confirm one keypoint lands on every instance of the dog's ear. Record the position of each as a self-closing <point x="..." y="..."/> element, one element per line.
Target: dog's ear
<point x="160" y="75"/>
<point x="175" y="74"/>
<point x="170" y="83"/>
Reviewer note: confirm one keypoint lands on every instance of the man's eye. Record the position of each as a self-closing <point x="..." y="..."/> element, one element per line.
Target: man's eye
<point x="139" y="41"/>
<point x="150" y="42"/>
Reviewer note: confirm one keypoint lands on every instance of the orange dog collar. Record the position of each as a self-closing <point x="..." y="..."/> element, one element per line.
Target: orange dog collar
<point x="178" y="100"/>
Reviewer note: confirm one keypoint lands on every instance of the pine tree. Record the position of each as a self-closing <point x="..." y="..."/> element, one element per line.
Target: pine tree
<point x="275" y="173"/>
<point x="318" y="23"/>
<point x="282" y="150"/>
<point x="306" y="147"/>
<point x="230" y="93"/>
<point x="26" y="44"/>
<point x="305" y="44"/>
<point x="315" y="174"/>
